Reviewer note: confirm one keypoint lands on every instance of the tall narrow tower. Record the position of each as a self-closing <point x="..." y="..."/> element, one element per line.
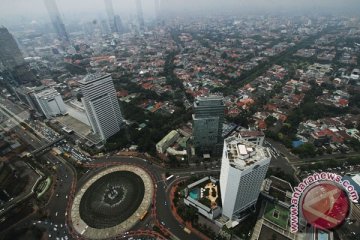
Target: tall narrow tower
<point x="114" y="20"/>
<point x="140" y="16"/>
<point x="243" y="169"/>
<point x="10" y="54"/>
<point x="157" y="9"/>
<point x="208" y="119"/>
<point x="101" y="104"/>
<point x="56" y="20"/>
<point x="12" y="64"/>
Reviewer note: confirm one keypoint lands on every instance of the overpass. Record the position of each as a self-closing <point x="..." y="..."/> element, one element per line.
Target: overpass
<point x="47" y="146"/>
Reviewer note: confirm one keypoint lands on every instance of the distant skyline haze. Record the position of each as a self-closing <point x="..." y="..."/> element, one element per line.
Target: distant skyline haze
<point x="17" y="10"/>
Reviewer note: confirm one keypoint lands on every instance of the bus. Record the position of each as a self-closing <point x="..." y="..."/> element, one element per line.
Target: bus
<point x="169" y="177"/>
<point x="143" y="215"/>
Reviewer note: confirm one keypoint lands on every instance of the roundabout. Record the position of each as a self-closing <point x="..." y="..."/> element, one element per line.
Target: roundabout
<point x="111" y="202"/>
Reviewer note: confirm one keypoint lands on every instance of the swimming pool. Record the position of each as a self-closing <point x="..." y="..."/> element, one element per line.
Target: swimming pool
<point x="322" y="235"/>
<point x="194" y="194"/>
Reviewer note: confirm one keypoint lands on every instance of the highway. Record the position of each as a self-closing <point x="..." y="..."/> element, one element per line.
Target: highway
<point x="66" y="183"/>
<point x="162" y="205"/>
<point x="66" y="175"/>
<point x="63" y="178"/>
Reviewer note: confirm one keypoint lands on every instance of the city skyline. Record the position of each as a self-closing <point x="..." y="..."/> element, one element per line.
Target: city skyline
<point x="71" y="9"/>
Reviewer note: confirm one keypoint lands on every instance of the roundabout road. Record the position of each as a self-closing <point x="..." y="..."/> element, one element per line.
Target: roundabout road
<point x="161" y="210"/>
<point x="92" y="226"/>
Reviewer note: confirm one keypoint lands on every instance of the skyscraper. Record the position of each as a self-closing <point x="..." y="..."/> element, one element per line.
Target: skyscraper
<point x="208" y="119"/>
<point x="56" y="20"/>
<point x="140" y="16"/>
<point x="50" y="102"/>
<point x="119" y="28"/>
<point x="157" y="9"/>
<point x="101" y="104"/>
<point x="10" y="54"/>
<point x="12" y="65"/>
<point x="243" y="169"/>
<point x="114" y="20"/>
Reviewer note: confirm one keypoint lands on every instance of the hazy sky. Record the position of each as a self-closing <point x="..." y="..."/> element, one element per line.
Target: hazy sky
<point x="32" y="9"/>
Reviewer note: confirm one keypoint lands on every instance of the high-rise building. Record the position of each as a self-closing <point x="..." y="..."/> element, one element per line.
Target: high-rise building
<point x="208" y="119"/>
<point x="10" y="54"/>
<point x="56" y="20"/>
<point x="41" y="100"/>
<point x="101" y="104"/>
<point x="243" y="169"/>
<point x="114" y="20"/>
<point x="157" y="9"/>
<point x="140" y="16"/>
<point x="119" y="27"/>
<point x="27" y="95"/>
<point x="50" y="102"/>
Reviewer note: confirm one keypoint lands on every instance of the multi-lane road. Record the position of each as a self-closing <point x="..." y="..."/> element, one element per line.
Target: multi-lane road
<point x="65" y="174"/>
<point x="66" y="183"/>
<point x="163" y="213"/>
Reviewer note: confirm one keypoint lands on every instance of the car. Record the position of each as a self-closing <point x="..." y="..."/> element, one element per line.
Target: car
<point x="165" y="203"/>
<point x="163" y="223"/>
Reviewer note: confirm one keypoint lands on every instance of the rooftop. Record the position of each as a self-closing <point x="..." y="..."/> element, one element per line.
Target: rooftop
<point x="205" y="193"/>
<point x="251" y="134"/>
<point x="92" y="77"/>
<point x="48" y="93"/>
<point x="169" y="136"/>
<point x="211" y="100"/>
<point x="242" y="154"/>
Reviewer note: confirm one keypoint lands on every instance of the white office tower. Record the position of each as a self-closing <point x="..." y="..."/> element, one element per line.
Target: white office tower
<point x="101" y="104"/>
<point x="50" y="102"/>
<point x="243" y="169"/>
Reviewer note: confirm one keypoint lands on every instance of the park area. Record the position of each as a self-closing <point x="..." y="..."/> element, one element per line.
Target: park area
<point x="277" y="214"/>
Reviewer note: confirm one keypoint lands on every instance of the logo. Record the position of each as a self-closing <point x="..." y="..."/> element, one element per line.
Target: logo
<point x="323" y="200"/>
<point x="325" y="205"/>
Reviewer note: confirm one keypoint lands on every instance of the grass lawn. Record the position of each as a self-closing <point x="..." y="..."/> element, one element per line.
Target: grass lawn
<point x="277" y="214"/>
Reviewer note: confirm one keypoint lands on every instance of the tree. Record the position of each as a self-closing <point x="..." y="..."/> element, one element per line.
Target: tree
<point x="79" y="96"/>
<point x="270" y="121"/>
<point x="74" y="69"/>
<point x="305" y="150"/>
<point x="355" y="144"/>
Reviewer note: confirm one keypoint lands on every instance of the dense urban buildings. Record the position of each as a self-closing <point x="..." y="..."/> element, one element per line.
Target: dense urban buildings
<point x="101" y="104"/>
<point x="208" y="119"/>
<point x="243" y="169"/>
<point x="185" y="75"/>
